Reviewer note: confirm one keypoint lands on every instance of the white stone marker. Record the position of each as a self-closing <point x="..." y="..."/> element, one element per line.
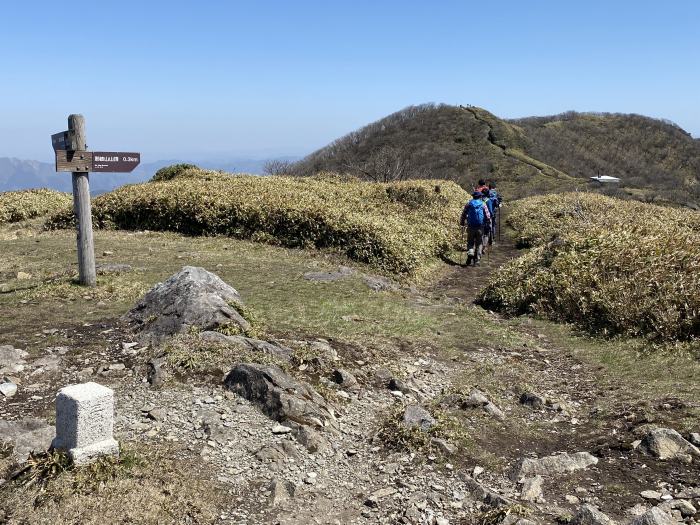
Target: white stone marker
<point x="84" y="422"/>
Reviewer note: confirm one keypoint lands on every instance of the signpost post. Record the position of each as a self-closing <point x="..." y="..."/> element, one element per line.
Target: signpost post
<point x="72" y="155"/>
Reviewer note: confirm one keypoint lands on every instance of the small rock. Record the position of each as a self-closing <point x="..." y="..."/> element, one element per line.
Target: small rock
<point x="157" y="414"/>
<point x="666" y="443"/>
<point x="280" y="491"/>
<point x="552" y="465"/>
<point x="446" y="448"/>
<point x="8" y="389"/>
<point x="694" y="438"/>
<point x="417" y="416"/>
<point x="651" y="494"/>
<point x="572" y="500"/>
<point x="345" y="379"/>
<point x="398" y="385"/>
<point x="23" y="276"/>
<point x="477" y="471"/>
<point x="281" y="429"/>
<point x="117" y="366"/>
<point x="532" y="399"/>
<point x="589" y="515"/>
<point x="532" y="490"/>
<point x="655" y="516"/>
<point x="107" y="253"/>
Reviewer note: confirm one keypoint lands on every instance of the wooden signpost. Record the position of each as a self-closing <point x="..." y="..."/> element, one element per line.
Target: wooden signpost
<point x="72" y="155"/>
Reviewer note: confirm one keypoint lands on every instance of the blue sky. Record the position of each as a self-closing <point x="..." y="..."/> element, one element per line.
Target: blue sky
<point x="216" y="79"/>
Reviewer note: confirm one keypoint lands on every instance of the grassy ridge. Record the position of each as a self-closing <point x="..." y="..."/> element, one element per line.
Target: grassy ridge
<point x="21" y="205"/>
<point x="396" y="227"/>
<point x="611" y="266"/>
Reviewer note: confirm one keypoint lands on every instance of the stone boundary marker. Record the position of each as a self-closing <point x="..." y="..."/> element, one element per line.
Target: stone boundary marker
<point x="84" y="422"/>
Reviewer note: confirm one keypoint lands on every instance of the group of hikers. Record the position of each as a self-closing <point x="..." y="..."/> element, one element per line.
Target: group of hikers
<point x="479" y="218"/>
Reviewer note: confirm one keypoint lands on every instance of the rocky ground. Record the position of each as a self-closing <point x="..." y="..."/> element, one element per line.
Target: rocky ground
<point x="302" y="428"/>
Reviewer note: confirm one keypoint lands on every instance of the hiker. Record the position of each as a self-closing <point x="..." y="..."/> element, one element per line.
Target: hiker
<point x="481" y="186"/>
<point x="496" y="200"/>
<point x="474" y="217"/>
<point x="488" y="224"/>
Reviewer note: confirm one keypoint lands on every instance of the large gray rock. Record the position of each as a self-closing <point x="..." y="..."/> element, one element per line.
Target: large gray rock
<point x="416" y="416"/>
<point x="26" y="435"/>
<point x="587" y="514"/>
<point x="552" y="465"/>
<point x="192" y="298"/>
<point x="12" y="360"/>
<point x="655" y="516"/>
<point x="279" y="396"/>
<point x="666" y="443"/>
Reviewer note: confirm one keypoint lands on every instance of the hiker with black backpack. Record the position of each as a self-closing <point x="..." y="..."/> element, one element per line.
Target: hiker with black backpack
<point x="496" y="200"/>
<point x="474" y="216"/>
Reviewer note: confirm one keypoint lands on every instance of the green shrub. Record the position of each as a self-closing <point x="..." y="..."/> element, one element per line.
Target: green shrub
<point x="396" y="227"/>
<point x="171" y="172"/>
<point x="610" y="266"/>
<point x="21" y="205"/>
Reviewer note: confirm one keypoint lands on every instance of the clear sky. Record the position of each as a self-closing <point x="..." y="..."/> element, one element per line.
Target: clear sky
<point x="220" y="79"/>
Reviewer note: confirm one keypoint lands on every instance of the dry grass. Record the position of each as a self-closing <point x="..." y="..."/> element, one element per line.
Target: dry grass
<point x="610" y="266"/>
<point x="396" y="227"/>
<point x="142" y="486"/>
<point x="21" y="205"/>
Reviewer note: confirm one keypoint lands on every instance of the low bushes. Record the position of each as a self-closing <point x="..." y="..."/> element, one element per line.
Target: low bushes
<point x="611" y="266"/>
<point x="396" y="227"/>
<point x="21" y="205"/>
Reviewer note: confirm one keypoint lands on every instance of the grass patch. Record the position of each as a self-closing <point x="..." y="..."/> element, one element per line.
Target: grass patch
<point x="610" y="266"/>
<point x="395" y="227"/>
<point x="141" y="486"/>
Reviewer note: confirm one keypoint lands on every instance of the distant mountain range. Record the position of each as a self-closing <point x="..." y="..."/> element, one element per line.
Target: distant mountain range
<point x="17" y="174"/>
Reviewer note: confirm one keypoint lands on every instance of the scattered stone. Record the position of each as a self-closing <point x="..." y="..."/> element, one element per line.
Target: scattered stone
<point x="446" y="448"/>
<point x="250" y="343"/>
<point x="281" y="429"/>
<point x="280" y="491"/>
<point x="23" y="276"/>
<point x="112" y="268"/>
<point x="666" y="443"/>
<point x="552" y="465"/>
<point x="379" y="284"/>
<point x="345" y="379"/>
<point x="477" y="471"/>
<point x="84" y="422"/>
<point x="25" y="436"/>
<point x="694" y="438"/>
<point x="484" y="494"/>
<point x="398" y="385"/>
<point x="532" y="490"/>
<point x="324" y="277"/>
<point x="279" y="396"/>
<point x="589" y="515"/>
<point x="681" y="505"/>
<point x="475" y="399"/>
<point x="310" y="439"/>
<point x="417" y="416"/>
<point x="192" y="298"/>
<point x="8" y="389"/>
<point x="651" y="494"/>
<point x="533" y="400"/>
<point x="156" y="374"/>
<point x="12" y="360"/>
<point x="493" y="410"/>
<point x="157" y="414"/>
<point x="655" y="516"/>
<point x="115" y="367"/>
<point x="381" y="378"/>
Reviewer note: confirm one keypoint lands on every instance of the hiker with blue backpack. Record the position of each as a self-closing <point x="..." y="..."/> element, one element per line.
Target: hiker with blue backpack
<point x="474" y="217"/>
<point x="488" y="225"/>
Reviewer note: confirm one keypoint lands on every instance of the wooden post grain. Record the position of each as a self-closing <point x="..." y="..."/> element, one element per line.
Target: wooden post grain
<point x="82" y="209"/>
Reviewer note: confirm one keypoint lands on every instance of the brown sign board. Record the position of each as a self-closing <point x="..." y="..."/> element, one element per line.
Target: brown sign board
<point x="75" y="161"/>
<point x="115" y="161"/>
<point x="65" y="140"/>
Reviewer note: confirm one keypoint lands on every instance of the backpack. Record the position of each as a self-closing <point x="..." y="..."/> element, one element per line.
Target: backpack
<point x="490" y="204"/>
<point x="495" y="196"/>
<point x="475" y="212"/>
